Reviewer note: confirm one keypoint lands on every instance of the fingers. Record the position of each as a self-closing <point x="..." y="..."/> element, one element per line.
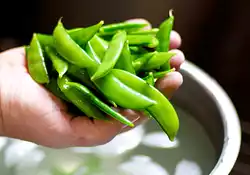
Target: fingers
<point x="175" y="40"/>
<point x="170" y="83"/>
<point x="177" y="60"/>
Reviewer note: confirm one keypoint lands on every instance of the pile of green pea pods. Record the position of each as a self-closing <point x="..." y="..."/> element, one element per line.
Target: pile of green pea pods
<point x="102" y="66"/>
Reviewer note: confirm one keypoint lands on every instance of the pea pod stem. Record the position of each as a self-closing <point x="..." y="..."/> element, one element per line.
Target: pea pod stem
<point x="150" y="79"/>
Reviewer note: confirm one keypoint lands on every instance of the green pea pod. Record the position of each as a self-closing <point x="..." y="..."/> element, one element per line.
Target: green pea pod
<point x="143" y="40"/>
<point x="163" y="36"/>
<point x="79" y="100"/>
<point x="75" y="30"/>
<point x="134" y="57"/>
<point x="111" y="29"/>
<point x="69" y="49"/>
<point x="36" y="61"/>
<point x="157" y="60"/>
<point x="111" y="55"/>
<point x="90" y="51"/>
<point x="53" y="87"/>
<point x="137" y="50"/>
<point x="60" y="65"/>
<point x="145" y="32"/>
<point x="150" y="79"/>
<point x="102" y="106"/>
<point x="140" y="62"/>
<point x="45" y="40"/>
<point x="93" y="54"/>
<point x="162" y="73"/>
<point x="80" y="75"/>
<point x="99" y="46"/>
<point x="80" y="35"/>
<point x="122" y="95"/>
<point x="83" y="35"/>
<point x="163" y="111"/>
<point x="125" y="60"/>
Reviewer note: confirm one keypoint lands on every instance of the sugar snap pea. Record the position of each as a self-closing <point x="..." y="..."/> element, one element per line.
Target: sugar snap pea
<point x="158" y="59"/>
<point x="121" y="94"/>
<point x="45" y="40"/>
<point x="127" y="26"/>
<point x="145" y="32"/>
<point x="80" y="35"/>
<point x="36" y="61"/>
<point x="81" y="75"/>
<point x="79" y="100"/>
<point x="99" y="46"/>
<point x="117" y="94"/>
<point x="60" y="65"/>
<point x="125" y="60"/>
<point x="113" y="95"/>
<point x="111" y="55"/>
<point x="163" y="111"/>
<point x="140" y="62"/>
<point x="143" y="40"/>
<point x="53" y="87"/>
<point x="137" y="50"/>
<point x="90" y="51"/>
<point x="102" y="106"/>
<point x="83" y="35"/>
<point x="69" y="49"/>
<point x="163" y="36"/>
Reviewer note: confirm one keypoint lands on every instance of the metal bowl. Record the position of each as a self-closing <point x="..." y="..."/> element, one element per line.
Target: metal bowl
<point x="204" y="98"/>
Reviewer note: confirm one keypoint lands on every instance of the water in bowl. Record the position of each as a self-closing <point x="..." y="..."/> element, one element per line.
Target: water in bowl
<point x="144" y="150"/>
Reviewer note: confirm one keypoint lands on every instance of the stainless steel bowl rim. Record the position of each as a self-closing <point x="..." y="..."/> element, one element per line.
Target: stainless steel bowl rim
<point x="230" y="119"/>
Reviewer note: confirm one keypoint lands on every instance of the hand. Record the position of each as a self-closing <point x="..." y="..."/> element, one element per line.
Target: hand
<point x="29" y="112"/>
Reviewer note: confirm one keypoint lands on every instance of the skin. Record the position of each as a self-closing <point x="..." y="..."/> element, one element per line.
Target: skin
<point x="29" y="112"/>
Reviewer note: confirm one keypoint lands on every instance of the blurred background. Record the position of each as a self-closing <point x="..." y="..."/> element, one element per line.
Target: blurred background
<point x="215" y="36"/>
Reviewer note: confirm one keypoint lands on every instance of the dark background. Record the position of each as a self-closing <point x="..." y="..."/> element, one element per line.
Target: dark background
<point x="215" y="33"/>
